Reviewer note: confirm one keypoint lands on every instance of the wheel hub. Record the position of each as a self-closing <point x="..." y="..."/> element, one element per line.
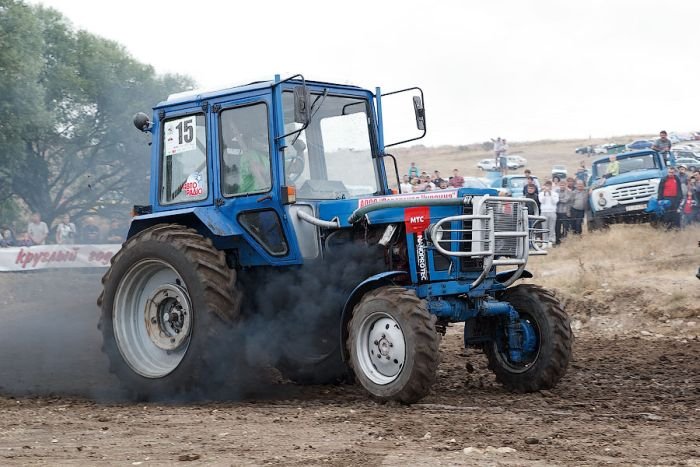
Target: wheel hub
<point x="386" y="346"/>
<point x="167" y="316"/>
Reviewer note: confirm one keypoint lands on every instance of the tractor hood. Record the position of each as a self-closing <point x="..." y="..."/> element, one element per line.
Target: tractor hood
<point x="343" y="208"/>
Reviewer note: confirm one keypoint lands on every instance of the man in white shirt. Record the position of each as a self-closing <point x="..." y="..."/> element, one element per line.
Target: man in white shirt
<point x="406" y="186"/>
<point x="548" y="208"/>
<point x="37" y="230"/>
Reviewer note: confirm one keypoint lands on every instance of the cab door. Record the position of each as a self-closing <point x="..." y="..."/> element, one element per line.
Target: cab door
<point x="248" y="186"/>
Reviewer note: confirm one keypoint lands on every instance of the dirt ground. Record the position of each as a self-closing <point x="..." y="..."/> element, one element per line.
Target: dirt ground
<point x="629" y="397"/>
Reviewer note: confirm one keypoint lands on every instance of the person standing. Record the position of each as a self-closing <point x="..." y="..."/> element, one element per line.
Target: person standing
<point x="413" y="171"/>
<point x="582" y="173"/>
<point x="531" y="193"/>
<point x="662" y="145"/>
<point x="37" y="230"/>
<point x="670" y="189"/>
<point x="530" y="181"/>
<point x="456" y="181"/>
<point x="406" y="186"/>
<point x="683" y="177"/>
<point x="548" y="208"/>
<point x="497" y="149"/>
<point x="65" y="231"/>
<point x="690" y="203"/>
<point x="579" y="205"/>
<point x="563" y="211"/>
<point x="528" y="173"/>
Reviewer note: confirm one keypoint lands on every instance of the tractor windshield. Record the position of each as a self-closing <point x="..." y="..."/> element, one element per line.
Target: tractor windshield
<point x="332" y="157"/>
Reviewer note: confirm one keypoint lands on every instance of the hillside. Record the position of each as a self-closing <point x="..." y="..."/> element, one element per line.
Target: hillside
<point x="541" y="155"/>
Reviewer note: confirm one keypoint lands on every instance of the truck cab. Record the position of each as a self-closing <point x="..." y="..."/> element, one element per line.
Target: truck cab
<point x="621" y="195"/>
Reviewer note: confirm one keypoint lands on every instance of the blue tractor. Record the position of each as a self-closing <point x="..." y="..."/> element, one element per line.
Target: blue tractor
<point x="276" y="182"/>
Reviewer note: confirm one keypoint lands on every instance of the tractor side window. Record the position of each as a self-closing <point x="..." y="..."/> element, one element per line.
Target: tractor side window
<point x="184" y="160"/>
<point x="245" y="151"/>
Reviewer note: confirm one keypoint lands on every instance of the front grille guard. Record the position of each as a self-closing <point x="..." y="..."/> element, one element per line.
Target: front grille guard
<point x="483" y="239"/>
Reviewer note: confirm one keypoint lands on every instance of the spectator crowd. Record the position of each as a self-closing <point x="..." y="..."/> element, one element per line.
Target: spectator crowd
<point x="63" y="232"/>
<point x="563" y="201"/>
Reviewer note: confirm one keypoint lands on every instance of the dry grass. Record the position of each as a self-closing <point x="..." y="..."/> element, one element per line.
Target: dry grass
<point x="628" y="266"/>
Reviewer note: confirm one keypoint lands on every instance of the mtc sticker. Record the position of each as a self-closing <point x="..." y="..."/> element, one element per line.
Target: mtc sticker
<point x="180" y="135"/>
<point x="417" y="219"/>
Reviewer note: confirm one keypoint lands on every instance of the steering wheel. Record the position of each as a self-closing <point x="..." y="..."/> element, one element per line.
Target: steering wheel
<point x="294" y="165"/>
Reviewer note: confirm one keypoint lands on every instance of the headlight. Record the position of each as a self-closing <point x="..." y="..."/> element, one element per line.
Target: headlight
<point x="601" y="200"/>
<point x="437" y="233"/>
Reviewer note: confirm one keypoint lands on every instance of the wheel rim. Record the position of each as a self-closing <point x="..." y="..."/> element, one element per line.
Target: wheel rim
<point x="531" y="330"/>
<point x="381" y="348"/>
<point x="152" y="318"/>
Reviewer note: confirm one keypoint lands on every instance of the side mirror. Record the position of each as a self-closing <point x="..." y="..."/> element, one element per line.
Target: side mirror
<point x="142" y="122"/>
<point x="420" y="112"/>
<point x="301" y="105"/>
<point x="402" y="115"/>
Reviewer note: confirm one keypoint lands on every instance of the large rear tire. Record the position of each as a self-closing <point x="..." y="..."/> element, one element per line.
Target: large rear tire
<point x="544" y="320"/>
<point x="393" y="345"/>
<point x="168" y="304"/>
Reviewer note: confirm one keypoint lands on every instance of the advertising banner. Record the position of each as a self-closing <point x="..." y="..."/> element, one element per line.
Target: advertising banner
<point x="56" y="256"/>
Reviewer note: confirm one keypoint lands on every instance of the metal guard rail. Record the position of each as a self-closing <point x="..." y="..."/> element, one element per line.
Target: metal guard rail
<point x="484" y="214"/>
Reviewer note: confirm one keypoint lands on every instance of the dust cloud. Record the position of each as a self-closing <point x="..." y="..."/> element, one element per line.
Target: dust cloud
<point x="50" y="344"/>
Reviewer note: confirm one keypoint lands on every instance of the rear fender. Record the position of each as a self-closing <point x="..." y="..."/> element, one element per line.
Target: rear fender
<point x="371" y="283"/>
<point x="207" y="221"/>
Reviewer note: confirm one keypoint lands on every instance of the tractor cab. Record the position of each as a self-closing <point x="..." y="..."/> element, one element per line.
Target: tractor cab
<point x="239" y="164"/>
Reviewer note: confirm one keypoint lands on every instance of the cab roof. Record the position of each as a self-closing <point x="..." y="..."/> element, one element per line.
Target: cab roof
<point x="195" y="95"/>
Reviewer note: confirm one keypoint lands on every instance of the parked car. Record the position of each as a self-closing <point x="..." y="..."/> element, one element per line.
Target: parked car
<point x="519" y="160"/>
<point x="688" y="162"/>
<point x="585" y="150"/>
<point x="487" y="164"/>
<point x="490" y="164"/>
<point x="685" y="154"/>
<point x="639" y="144"/>
<point x="559" y="171"/>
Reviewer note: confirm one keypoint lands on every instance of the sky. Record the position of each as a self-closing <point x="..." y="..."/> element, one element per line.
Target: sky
<point x="521" y="70"/>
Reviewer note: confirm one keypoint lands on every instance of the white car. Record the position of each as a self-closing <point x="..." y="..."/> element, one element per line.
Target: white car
<point x="559" y="171"/>
<point x="518" y="160"/>
<point x="690" y="153"/>
<point x="487" y="164"/>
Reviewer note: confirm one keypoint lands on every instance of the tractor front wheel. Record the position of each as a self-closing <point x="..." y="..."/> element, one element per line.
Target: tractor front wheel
<point x="547" y="341"/>
<point x="393" y="345"/>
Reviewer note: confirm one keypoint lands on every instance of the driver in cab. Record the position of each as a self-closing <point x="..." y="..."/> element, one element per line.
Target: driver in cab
<point x="251" y="172"/>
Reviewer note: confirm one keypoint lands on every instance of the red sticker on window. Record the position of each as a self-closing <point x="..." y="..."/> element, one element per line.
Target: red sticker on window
<point x="417" y="219"/>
